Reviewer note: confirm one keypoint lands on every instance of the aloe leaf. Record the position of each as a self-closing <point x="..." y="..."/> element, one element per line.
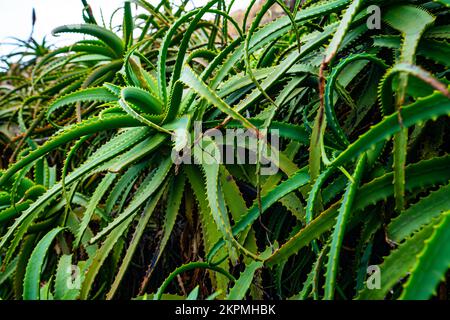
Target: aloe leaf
<point x="143" y="221"/>
<point x="339" y="229"/>
<point x="149" y="186"/>
<point x="399" y="262"/>
<point x="108" y="37"/>
<point x="32" y="280"/>
<point x="419" y="214"/>
<point x="433" y="262"/>
<point x="242" y="284"/>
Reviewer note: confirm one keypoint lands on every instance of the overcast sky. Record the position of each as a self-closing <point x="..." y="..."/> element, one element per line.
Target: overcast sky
<point x="15" y="17"/>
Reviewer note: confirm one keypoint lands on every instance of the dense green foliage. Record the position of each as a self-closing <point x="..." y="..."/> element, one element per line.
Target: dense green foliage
<point x="93" y="207"/>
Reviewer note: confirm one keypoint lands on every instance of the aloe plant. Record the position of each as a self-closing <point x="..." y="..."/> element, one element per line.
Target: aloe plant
<point x="88" y="181"/>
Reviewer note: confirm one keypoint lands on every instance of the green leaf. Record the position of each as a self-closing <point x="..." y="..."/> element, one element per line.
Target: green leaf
<point x="107" y="36"/>
<point x="419" y="214"/>
<point x="432" y="263"/>
<point x="242" y="285"/>
<point x="32" y="280"/>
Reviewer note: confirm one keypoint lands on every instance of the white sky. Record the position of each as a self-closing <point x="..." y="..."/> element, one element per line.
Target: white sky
<point x="15" y="17"/>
